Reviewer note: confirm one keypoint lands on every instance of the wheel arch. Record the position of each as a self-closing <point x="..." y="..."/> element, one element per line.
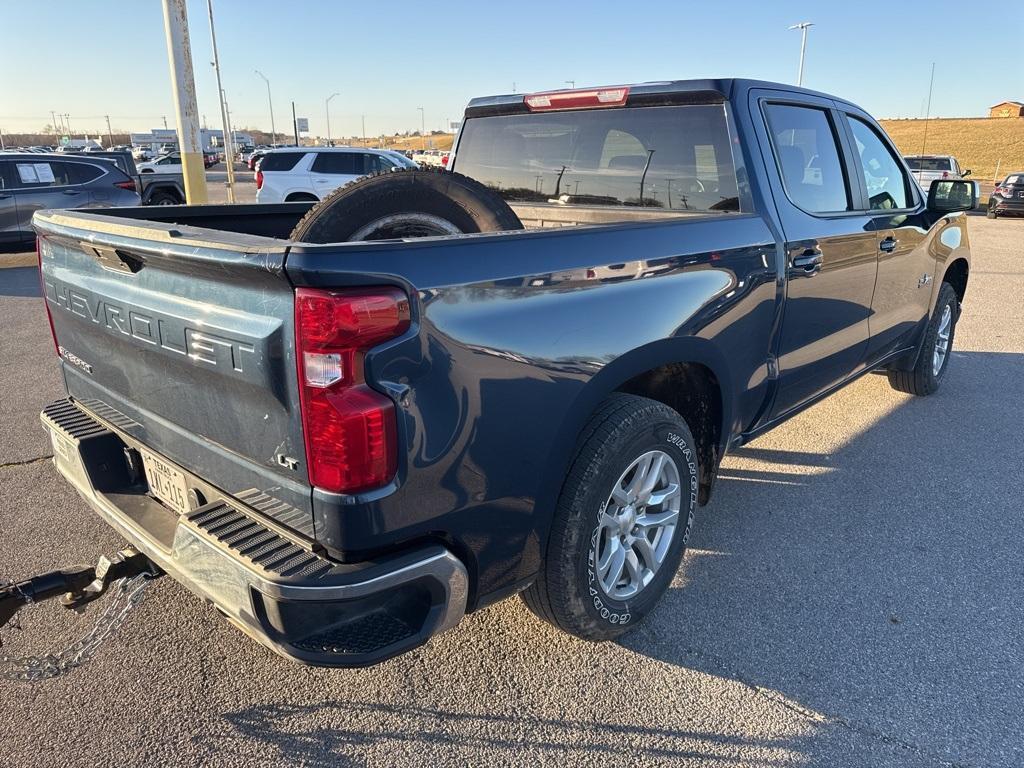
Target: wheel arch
<point x="656" y="370"/>
<point x="956" y="274"/>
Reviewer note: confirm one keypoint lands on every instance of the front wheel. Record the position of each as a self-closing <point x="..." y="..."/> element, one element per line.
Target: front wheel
<point x="622" y="520"/>
<point x="933" y="359"/>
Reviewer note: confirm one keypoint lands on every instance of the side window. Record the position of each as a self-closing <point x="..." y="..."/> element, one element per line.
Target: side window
<point x="344" y="163"/>
<point x="883" y="175"/>
<point x="808" y="156"/>
<point x="380" y="163"/>
<point x="6" y="182"/>
<point x="82" y="173"/>
<point x="35" y="175"/>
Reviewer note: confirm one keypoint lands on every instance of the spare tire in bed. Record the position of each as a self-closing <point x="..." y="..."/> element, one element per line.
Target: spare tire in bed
<point x="406" y="203"/>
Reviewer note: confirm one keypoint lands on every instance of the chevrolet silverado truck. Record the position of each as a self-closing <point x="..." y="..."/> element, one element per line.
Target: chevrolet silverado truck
<point x="345" y="433"/>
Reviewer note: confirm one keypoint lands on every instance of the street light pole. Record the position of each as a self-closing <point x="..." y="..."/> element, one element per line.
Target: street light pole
<point x="363" y="136"/>
<point x="229" y="144"/>
<point x="803" y="26"/>
<point x="270" y="101"/>
<point x="571" y="83"/>
<point x="327" y="109"/>
<point x="110" y="135"/>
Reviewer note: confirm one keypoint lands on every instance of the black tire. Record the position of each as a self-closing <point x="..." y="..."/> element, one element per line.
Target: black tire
<point x="405" y="203"/>
<point x="163" y="198"/>
<point x="568" y="592"/>
<point x="923" y="378"/>
<point x="991" y="212"/>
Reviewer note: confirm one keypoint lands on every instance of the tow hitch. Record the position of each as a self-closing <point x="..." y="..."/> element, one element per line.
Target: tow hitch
<point x="126" y="573"/>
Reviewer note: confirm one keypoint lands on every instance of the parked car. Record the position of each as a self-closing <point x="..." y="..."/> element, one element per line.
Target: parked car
<point x="164" y="164"/>
<point x="210" y="158"/>
<point x="345" y="439"/>
<point x="31" y="182"/>
<point x="142" y="154"/>
<point x="1007" y="197"/>
<point x="927" y="168"/>
<point x="290" y="175"/>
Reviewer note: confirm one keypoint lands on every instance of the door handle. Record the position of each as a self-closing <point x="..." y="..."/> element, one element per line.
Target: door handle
<point x="72" y="192"/>
<point x="807" y="264"/>
<point x="888" y="245"/>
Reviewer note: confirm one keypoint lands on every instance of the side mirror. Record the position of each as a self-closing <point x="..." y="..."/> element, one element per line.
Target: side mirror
<point x="966" y="173"/>
<point x="949" y="195"/>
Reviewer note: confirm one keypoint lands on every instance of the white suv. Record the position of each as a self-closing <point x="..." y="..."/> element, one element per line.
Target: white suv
<point x="294" y="174"/>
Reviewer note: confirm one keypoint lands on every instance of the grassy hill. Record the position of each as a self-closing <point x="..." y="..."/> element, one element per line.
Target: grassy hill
<point x="977" y="143"/>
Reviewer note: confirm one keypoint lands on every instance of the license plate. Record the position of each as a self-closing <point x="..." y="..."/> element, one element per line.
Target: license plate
<point x="166" y="483"/>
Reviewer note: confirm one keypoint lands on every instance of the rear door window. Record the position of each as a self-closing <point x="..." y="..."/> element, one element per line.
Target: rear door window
<point x="280" y="161"/>
<point x="928" y="163"/>
<point x="672" y="158"/>
<point x="339" y="163"/>
<point x="807" y="153"/>
<point x="34" y="175"/>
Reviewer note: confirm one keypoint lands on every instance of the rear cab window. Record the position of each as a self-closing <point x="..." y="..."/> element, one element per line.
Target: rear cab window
<point x="664" y="160"/>
<point x="929" y="163"/>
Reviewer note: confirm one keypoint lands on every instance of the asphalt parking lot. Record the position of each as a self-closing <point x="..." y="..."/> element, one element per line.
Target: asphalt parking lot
<point x="851" y="597"/>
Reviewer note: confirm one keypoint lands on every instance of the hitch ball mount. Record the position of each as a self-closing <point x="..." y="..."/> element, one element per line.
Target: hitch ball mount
<point x="76" y="586"/>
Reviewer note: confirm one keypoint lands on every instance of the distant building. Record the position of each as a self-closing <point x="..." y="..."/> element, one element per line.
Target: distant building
<point x="209" y="137"/>
<point x="1007" y="109"/>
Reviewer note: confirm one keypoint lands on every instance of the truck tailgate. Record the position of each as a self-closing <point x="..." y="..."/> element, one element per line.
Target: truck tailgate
<point x="183" y="338"/>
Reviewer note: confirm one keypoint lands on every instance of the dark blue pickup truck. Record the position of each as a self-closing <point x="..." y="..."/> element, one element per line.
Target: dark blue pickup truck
<point x="346" y="445"/>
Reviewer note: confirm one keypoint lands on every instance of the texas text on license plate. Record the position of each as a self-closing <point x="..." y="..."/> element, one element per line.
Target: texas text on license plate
<point x="166" y="483"/>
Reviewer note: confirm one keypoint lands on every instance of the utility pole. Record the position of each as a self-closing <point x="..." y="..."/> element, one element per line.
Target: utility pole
<point x="513" y="86"/>
<point x="803" y="26"/>
<point x="295" y="125"/>
<point x="270" y="101"/>
<point x="229" y="144"/>
<point x="327" y="109"/>
<point x="110" y="134"/>
<point x="362" y="136"/>
<point x="179" y="58"/>
<point x="67" y="122"/>
<point x="53" y="120"/>
<point x="165" y="122"/>
<point x="2" y="139"/>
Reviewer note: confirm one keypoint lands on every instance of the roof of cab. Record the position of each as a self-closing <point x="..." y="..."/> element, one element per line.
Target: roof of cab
<point x="652" y="93"/>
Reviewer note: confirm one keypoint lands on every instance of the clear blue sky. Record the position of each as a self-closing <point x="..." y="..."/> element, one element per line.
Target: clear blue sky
<point x="97" y="57"/>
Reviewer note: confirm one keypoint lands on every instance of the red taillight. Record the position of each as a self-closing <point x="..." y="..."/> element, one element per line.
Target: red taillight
<point x="1001" y="190"/>
<point x="46" y="303"/>
<point x="444" y="160"/>
<point x="128" y="185"/>
<point x="259" y="179"/>
<point x="945" y="174"/>
<point x="584" y="99"/>
<point x="349" y="428"/>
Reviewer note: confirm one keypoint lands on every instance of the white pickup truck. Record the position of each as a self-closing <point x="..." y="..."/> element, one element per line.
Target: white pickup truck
<point x="928" y="168"/>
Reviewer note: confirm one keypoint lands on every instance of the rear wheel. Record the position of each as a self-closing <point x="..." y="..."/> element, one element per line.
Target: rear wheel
<point x="406" y="203"/>
<point x="163" y="198"/>
<point x="933" y="359"/>
<point x="621" y="522"/>
<point x="991" y="213"/>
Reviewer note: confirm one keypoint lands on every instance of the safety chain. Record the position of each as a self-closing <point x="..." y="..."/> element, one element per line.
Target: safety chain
<point x="127" y="594"/>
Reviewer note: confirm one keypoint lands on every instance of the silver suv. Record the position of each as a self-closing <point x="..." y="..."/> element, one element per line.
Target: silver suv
<point x="31" y="182"/>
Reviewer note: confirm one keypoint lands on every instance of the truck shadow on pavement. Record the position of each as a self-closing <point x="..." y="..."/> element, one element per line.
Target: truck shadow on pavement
<point x="19" y="282"/>
<point x="876" y="582"/>
<point x="346" y="730"/>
